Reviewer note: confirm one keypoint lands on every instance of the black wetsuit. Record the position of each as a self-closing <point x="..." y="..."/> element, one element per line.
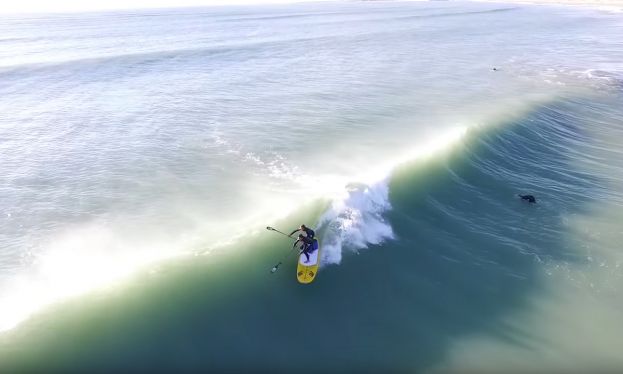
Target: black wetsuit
<point x="307" y="245"/>
<point x="529" y="198"/>
<point x="309" y="232"/>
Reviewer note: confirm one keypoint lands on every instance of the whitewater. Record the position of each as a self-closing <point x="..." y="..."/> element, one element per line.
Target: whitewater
<point x="144" y="152"/>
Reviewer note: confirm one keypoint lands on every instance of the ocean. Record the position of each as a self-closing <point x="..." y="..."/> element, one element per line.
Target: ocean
<point x="144" y="152"/>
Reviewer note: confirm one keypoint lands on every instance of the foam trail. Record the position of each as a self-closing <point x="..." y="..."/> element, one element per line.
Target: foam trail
<point x="75" y="262"/>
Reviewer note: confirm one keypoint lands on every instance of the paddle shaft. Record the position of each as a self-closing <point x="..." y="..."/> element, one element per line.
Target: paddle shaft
<point x="282" y="233"/>
<point x="274" y="269"/>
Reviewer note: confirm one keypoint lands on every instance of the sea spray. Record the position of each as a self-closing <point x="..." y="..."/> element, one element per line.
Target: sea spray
<point x="356" y="220"/>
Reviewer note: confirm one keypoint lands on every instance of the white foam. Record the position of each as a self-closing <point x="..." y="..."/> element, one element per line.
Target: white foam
<point x="81" y="259"/>
<point x="356" y="220"/>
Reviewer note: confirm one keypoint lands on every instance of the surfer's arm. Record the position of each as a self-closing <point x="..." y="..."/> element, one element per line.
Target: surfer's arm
<point x="294" y="232"/>
<point x="295" y="243"/>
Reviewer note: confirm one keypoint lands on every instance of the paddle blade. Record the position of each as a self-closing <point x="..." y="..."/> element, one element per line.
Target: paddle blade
<point x="274" y="269"/>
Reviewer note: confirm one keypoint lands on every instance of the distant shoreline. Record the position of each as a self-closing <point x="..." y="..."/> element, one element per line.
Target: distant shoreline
<point x="614" y="4"/>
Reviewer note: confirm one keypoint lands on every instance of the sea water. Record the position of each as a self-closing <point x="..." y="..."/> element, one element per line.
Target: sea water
<point x="143" y="153"/>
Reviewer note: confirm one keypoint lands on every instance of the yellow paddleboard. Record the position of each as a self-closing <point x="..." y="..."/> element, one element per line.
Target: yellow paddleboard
<point x="306" y="271"/>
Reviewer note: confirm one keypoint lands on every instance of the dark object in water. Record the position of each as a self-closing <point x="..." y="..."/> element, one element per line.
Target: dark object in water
<point x="528" y="198"/>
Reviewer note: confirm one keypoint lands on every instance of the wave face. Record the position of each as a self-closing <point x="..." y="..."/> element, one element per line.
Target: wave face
<point x="132" y="138"/>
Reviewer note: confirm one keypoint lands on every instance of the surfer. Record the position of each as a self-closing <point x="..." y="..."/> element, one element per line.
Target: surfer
<point x="309" y="232"/>
<point x="308" y="245"/>
<point x="528" y="198"/>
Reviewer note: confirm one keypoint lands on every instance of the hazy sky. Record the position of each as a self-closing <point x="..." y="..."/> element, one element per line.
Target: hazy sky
<point x="19" y="6"/>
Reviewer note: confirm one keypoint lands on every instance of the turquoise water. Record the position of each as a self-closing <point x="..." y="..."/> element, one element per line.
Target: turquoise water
<point x="145" y="152"/>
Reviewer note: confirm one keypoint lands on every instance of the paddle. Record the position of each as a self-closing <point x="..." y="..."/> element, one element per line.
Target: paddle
<point x="273" y="229"/>
<point x="274" y="269"/>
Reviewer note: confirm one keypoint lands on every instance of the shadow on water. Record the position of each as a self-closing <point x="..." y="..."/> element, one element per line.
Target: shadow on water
<point x="467" y="253"/>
